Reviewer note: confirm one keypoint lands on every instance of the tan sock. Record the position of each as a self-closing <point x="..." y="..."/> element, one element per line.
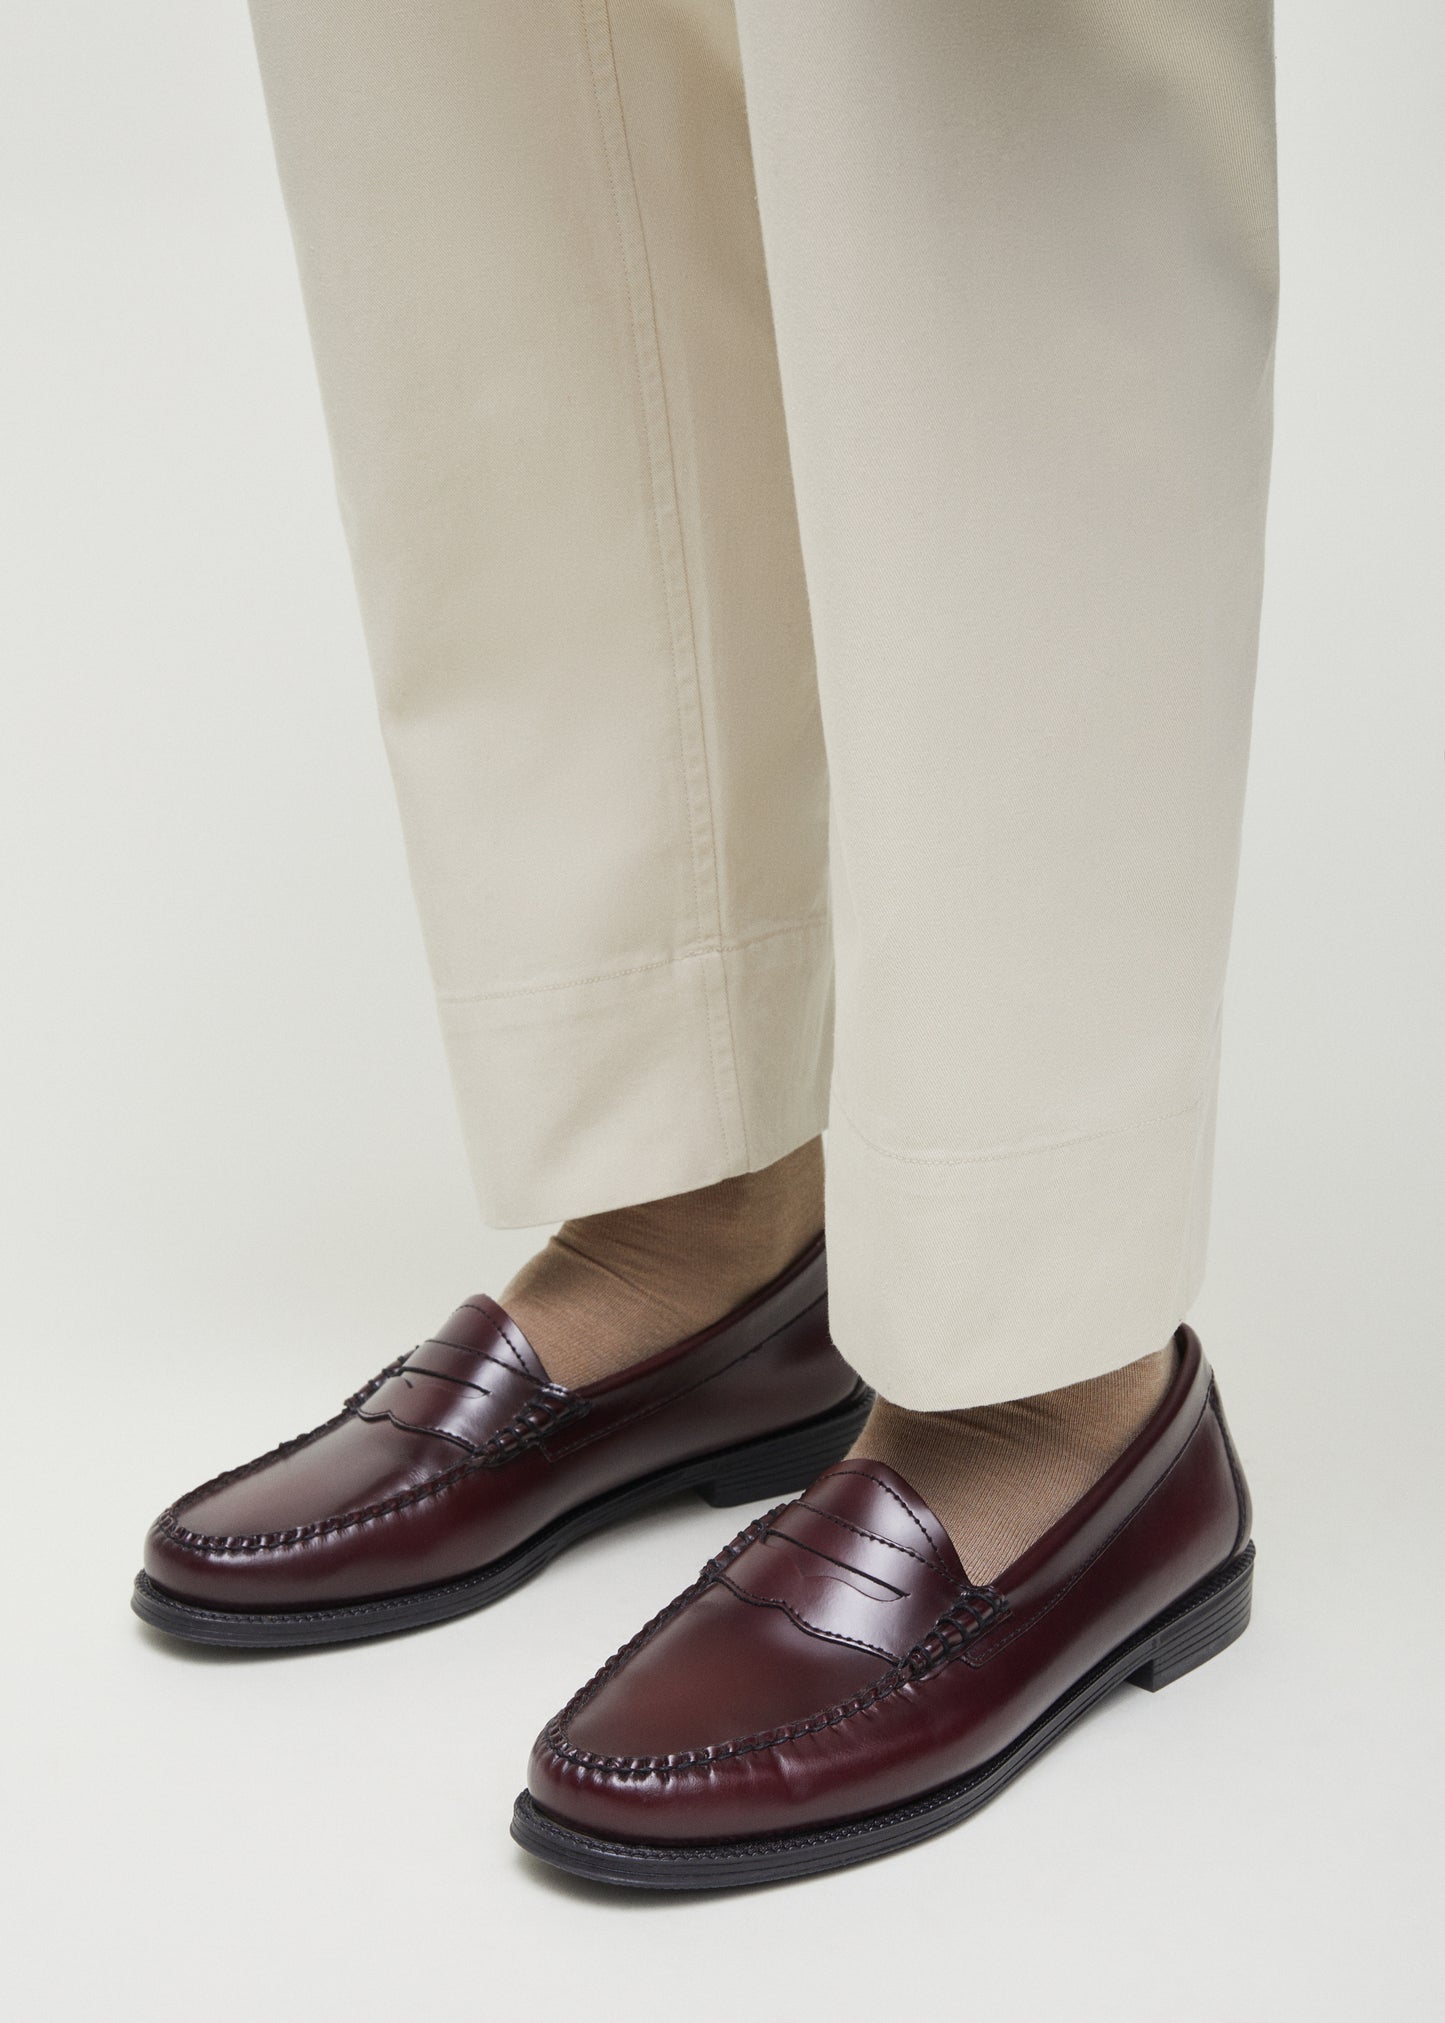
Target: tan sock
<point x="608" y="1290"/>
<point x="997" y="1477"/>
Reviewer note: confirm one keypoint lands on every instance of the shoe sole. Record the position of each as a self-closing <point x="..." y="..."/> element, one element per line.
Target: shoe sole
<point x="1204" y="1622"/>
<point x="755" y="1471"/>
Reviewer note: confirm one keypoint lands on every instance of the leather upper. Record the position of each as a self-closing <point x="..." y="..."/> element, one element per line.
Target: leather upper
<point x="836" y="1659"/>
<point x="464" y="1449"/>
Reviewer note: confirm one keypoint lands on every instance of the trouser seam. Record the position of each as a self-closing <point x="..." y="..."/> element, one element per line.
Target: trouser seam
<point x="740" y="946"/>
<point x="672" y="560"/>
<point x="1001" y="1154"/>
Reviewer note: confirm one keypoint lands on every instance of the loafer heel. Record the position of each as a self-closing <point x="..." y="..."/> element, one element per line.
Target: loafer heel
<point x="1207" y="1622"/>
<point x="785" y="1462"/>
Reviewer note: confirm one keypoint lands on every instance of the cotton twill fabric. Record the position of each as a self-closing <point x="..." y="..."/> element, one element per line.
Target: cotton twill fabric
<point x="805" y="471"/>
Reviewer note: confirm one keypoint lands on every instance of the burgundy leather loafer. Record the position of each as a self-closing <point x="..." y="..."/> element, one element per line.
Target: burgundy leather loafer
<point x="833" y="1687"/>
<point x="461" y="1470"/>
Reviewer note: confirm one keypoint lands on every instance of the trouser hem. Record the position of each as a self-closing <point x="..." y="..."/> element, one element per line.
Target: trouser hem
<point x="955" y="1283"/>
<point x="648" y="1081"/>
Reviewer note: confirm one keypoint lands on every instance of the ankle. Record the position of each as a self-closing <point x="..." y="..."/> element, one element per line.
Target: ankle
<point x="611" y="1289"/>
<point x="998" y="1476"/>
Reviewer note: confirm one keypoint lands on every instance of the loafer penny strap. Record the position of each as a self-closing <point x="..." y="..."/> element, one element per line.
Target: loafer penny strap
<point x="467" y="1382"/>
<point x="859" y="1560"/>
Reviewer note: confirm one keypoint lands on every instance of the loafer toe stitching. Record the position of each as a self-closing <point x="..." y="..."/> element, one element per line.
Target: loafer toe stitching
<point x="981" y="1609"/>
<point x="542" y="1414"/>
<point x="169" y="1519"/>
<point x="710" y="1754"/>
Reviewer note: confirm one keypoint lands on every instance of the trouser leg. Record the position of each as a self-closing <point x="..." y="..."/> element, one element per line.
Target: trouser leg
<point x="1023" y="272"/>
<point x="529" y="248"/>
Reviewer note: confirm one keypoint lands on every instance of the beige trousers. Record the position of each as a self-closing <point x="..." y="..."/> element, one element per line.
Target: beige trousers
<point x="887" y="613"/>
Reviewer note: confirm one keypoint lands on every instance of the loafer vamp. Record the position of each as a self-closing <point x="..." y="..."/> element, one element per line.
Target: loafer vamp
<point x="402" y="1488"/>
<point x="834" y="1671"/>
<point x="462" y="1469"/>
<point x="780" y="1662"/>
<point x="350" y="1468"/>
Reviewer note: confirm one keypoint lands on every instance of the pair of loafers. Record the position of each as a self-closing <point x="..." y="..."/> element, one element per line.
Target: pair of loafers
<point x="831" y="1687"/>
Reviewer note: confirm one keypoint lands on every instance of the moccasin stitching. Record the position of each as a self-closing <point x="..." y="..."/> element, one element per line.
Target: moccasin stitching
<point x="906" y="1673"/>
<point x="539" y="1417"/>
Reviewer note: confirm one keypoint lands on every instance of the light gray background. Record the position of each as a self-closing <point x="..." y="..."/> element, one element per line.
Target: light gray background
<point x="234" y="1186"/>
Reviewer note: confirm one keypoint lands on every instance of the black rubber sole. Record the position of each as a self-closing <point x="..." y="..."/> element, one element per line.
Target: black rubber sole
<point x="757" y="1471"/>
<point x="1204" y="1622"/>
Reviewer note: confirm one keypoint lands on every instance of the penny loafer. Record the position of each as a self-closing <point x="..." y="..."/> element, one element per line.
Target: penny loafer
<point x="833" y="1686"/>
<point x="462" y="1469"/>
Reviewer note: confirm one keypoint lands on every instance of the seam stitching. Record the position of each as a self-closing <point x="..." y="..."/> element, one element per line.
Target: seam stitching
<point x="900" y="1673"/>
<point x="411" y="1426"/>
<point x="470" y="1306"/>
<point x="507" y="1369"/>
<point x="282" y="1452"/>
<point x="877" y="1538"/>
<point x="693" y="953"/>
<point x="808" y="1629"/>
<point x="881" y="1688"/>
<point x="912" y="1517"/>
<point x="662" y="466"/>
<point x="1022" y="1152"/>
<point x="518" y="1436"/>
